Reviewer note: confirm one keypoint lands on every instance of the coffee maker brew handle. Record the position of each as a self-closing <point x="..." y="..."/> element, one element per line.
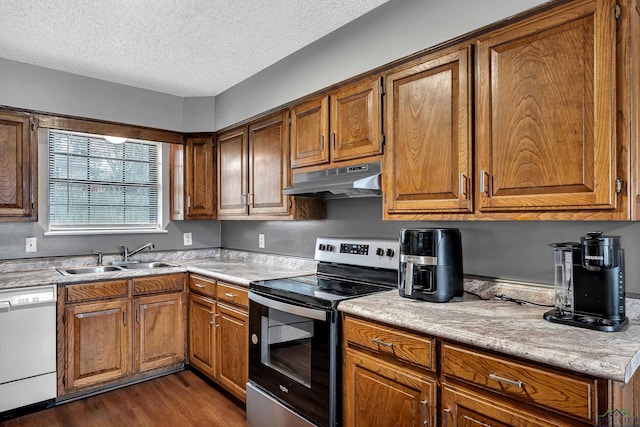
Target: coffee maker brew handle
<point x="408" y="279"/>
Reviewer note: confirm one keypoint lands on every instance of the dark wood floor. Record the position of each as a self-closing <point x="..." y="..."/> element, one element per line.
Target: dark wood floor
<point x="182" y="399"/>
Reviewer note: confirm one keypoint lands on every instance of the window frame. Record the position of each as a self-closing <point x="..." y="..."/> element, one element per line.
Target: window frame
<point x="89" y="229"/>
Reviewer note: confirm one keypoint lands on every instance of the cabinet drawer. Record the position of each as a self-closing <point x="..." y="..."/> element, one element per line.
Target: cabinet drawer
<point x="96" y="291"/>
<point x="569" y="394"/>
<point x="153" y="284"/>
<point x="232" y="294"/>
<point x="202" y="285"/>
<point x="402" y="345"/>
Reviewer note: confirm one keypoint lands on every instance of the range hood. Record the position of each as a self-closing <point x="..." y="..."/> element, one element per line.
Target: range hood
<point x="338" y="183"/>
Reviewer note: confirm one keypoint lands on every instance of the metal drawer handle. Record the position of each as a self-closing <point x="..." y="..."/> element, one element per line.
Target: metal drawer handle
<point x="424" y="405"/>
<point x="198" y="285"/>
<point x="380" y="342"/>
<point x="230" y="295"/>
<point x="506" y="381"/>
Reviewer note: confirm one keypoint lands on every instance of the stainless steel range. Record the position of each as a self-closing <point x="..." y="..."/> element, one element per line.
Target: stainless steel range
<point x="294" y="339"/>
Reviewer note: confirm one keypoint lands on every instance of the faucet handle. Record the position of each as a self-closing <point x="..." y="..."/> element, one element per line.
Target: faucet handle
<point x="100" y="254"/>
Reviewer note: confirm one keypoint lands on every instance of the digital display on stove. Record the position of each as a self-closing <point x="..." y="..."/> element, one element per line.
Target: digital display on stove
<point x="356" y="249"/>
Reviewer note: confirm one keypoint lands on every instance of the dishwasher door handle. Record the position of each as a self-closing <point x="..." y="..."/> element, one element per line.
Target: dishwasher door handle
<point x="5" y="306"/>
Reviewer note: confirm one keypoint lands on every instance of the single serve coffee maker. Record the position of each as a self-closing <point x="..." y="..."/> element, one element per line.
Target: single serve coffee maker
<point x="589" y="283"/>
<point x="430" y="264"/>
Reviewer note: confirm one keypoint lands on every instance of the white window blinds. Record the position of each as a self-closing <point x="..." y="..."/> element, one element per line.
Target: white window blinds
<point x="95" y="184"/>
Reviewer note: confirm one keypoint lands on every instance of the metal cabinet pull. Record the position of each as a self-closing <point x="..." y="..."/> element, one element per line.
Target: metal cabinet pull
<point x="230" y="295"/>
<point x="199" y="285"/>
<point x="423" y="406"/>
<point x="462" y="184"/>
<point x="321" y="143"/>
<point x="124" y="318"/>
<point x="245" y="200"/>
<point x="188" y="201"/>
<point x="380" y="342"/>
<point x="138" y="316"/>
<point x="506" y="380"/>
<point x="210" y="317"/>
<point x="249" y="199"/>
<point x="333" y="140"/>
<point x="216" y="324"/>
<point x="483" y="181"/>
<point x="446" y="417"/>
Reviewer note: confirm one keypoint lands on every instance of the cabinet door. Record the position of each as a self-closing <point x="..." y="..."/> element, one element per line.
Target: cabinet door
<point x="546" y="111"/>
<point x="176" y="182"/>
<point x="202" y="338"/>
<point x="233" y="349"/>
<point x="232" y="172"/>
<point x="428" y="122"/>
<point x="310" y="133"/>
<point x="159" y="331"/>
<point x="269" y="165"/>
<point x="18" y="156"/>
<point x="199" y="167"/>
<point x="465" y="408"/>
<point x="356" y="118"/>
<point x="379" y="394"/>
<point x="96" y="337"/>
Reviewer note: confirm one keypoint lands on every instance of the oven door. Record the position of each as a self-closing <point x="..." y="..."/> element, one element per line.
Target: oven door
<point x="291" y="355"/>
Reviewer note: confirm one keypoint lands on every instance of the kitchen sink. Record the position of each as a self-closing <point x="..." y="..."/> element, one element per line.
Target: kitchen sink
<point x="88" y="270"/>
<point x="144" y="265"/>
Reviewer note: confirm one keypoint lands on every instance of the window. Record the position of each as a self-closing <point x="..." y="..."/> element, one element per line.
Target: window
<point x="98" y="185"/>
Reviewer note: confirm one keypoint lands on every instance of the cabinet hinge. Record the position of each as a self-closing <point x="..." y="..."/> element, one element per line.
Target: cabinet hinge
<point x="382" y="92"/>
<point x="619" y="183"/>
<point x="617" y="11"/>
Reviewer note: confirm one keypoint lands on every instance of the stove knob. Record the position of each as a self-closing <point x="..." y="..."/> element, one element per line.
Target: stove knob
<point x="322" y="247"/>
<point x="390" y="253"/>
<point x="330" y="248"/>
<point x="379" y="251"/>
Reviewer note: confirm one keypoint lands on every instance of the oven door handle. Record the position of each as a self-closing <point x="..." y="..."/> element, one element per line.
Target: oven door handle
<point x="289" y="308"/>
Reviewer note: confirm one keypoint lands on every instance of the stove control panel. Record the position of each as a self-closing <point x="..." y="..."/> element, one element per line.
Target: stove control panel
<point x="379" y="253"/>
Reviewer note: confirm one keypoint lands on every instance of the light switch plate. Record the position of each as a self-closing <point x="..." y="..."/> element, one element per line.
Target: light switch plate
<point x="261" y="241"/>
<point x="31" y="244"/>
<point x="188" y="239"/>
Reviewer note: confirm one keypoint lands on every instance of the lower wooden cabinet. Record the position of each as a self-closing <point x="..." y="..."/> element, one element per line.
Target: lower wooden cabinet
<point x="219" y="332"/>
<point x="159" y="331"/>
<point x="202" y="336"/>
<point x="462" y="407"/>
<point x="377" y="393"/>
<point x="97" y="347"/>
<point x="101" y="342"/>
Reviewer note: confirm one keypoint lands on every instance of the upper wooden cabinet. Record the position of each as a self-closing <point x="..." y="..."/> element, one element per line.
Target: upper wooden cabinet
<point x="345" y="125"/>
<point x="427" y="161"/>
<point x="253" y="169"/>
<point x="18" y="167"/>
<point x="199" y="177"/>
<point x="546" y="136"/>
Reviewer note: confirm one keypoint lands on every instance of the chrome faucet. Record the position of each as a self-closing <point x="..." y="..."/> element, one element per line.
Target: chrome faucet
<point x="97" y="252"/>
<point x="126" y="254"/>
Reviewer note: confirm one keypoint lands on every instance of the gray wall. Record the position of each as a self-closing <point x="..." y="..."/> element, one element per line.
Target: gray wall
<point x="43" y="89"/>
<point x="504" y="249"/>
<point x="392" y="31"/>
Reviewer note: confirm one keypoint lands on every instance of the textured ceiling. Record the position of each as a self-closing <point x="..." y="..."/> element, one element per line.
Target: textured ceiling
<point x="181" y="47"/>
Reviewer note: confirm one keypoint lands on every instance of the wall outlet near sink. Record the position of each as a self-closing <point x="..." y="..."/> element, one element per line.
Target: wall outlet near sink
<point x="261" y="241"/>
<point x="31" y="244"/>
<point x="188" y="239"/>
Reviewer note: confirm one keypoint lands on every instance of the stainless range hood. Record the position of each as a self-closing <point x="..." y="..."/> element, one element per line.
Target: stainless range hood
<point x="338" y="183"/>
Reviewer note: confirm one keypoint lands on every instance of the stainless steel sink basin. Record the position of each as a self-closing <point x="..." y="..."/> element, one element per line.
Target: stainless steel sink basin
<point x="143" y="265"/>
<point x="88" y="270"/>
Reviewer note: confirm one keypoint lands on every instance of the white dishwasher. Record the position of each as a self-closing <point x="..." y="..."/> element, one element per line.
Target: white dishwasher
<point x="27" y="346"/>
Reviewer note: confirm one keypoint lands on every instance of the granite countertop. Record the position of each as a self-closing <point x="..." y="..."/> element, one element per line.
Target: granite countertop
<point x="234" y="266"/>
<point x="511" y="329"/>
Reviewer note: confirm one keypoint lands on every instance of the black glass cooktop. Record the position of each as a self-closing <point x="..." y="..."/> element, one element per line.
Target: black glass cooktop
<point x="316" y="290"/>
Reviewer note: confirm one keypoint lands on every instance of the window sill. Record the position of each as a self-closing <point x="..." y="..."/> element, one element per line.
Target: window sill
<point x="114" y="231"/>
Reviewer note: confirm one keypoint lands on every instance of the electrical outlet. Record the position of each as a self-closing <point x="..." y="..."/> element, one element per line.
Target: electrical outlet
<point x="188" y="239"/>
<point x="261" y="241"/>
<point x="31" y="244"/>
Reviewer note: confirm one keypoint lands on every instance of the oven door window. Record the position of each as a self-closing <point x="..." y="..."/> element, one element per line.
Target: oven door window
<point x="286" y="345"/>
